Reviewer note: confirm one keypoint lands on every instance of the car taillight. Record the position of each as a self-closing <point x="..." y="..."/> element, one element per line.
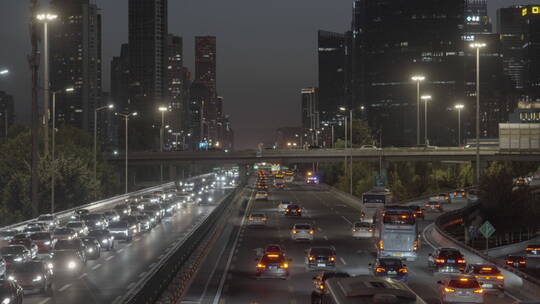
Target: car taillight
<point x="480" y="290"/>
<point x="403" y="270"/>
<point x="299" y="210"/>
<point x="461" y="261"/>
<point x="354" y="230"/>
<point x="332" y="259"/>
<point x="287" y="210"/>
<point x="522" y="262"/>
<point x="362" y="214"/>
<point x="462" y="193"/>
<point x="510" y="262"/>
<point x="321" y="287"/>
<point x="500" y="277"/>
<point x="455" y="193"/>
<point x="381" y="245"/>
<point x="285" y="265"/>
<point x="294" y="232"/>
<point x="311" y="232"/>
<point x="447" y="289"/>
<point x="261" y="265"/>
<point x="250" y="218"/>
<point x="380" y="269"/>
<point x="370" y="230"/>
<point x="311" y="258"/>
<point x="446" y="198"/>
<point x="264" y="219"/>
<point x="439" y="261"/>
<point x="415" y="246"/>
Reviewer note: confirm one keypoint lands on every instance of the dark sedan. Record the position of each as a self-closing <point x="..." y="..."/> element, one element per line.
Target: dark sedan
<point x="10" y="292"/>
<point x="104" y="237"/>
<point x="92" y="248"/>
<point x="33" y="276"/>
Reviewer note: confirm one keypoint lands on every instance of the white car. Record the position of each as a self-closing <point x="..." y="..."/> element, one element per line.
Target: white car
<point x="2" y="267"/>
<point x="283" y="205"/>
<point x="302" y="232"/>
<point x="362" y="230"/>
<point x="261" y="195"/>
<point x="441" y="198"/>
<point x="461" y="289"/>
<point x="79" y="227"/>
<point x="257" y="219"/>
<point x="49" y="220"/>
<point x="369" y="147"/>
<point x="458" y="196"/>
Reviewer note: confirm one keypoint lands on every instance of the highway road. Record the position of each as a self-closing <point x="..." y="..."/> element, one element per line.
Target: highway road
<point x="107" y="279"/>
<point x="230" y="274"/>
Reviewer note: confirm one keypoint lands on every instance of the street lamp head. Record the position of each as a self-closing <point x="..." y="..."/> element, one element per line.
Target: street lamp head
<point x="46" y="17"/>
<point x="342" y="109"/>
<point x="418" y="78"/>
<point x="111" y="106"/>
<point x="478" y="45"/>
<point x="459" y="106"/>
<point x="362" y="108"/>
<point x="134" y="114"/>
<point x="426" y="97"/>
<point x="69" y="90"/>
<point x="162" y="109"/>
<point x="4" y="72"/>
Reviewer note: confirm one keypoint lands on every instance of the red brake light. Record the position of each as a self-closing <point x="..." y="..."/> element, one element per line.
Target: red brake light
<point x="332" y="259"/>
<point x="272" y="255"/>
<point x="311" y="232"/>
<point x="403" y="270"/>
<point x="449" y="289"/>
<point x="285" y="265"/>
<point x="299" y="210"/>
<point x="480" y="290"/>
<point x="380" y="269"/>
<point x="261" y="265"/>
<point x="522" y="262"/>
<point x="381" y="245"/>
<point x="311" y="258"/>
<point x="440" y="260"/>
<point x="461" y="261"/>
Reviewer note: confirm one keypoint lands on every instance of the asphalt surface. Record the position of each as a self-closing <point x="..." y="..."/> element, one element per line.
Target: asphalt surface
<point x="107" y="279"/>
<point x="228" y="276"/>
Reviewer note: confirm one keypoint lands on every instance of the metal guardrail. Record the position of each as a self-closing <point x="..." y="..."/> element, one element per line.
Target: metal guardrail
<point x="529" y="283"/>
<point x="105" y="203"/>
<point x="156" y="282"/>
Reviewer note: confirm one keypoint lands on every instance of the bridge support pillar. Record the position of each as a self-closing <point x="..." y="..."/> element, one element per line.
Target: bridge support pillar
<point x="483" y="166"/>
<point x="172" y="173"/>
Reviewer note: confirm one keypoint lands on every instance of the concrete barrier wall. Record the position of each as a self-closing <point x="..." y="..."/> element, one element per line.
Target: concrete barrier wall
<point x="502" y="251"/>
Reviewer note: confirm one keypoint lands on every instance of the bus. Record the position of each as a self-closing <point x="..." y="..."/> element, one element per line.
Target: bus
<point x="397" y="233"/>
<point x="366" y="289"/>
<point x="373" y="201"/>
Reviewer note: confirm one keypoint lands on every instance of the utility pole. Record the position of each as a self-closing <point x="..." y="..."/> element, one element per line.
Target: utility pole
<point x="33" y="61"/>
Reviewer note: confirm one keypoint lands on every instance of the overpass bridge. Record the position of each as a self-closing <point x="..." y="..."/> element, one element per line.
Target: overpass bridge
<point x="456" y="154"/>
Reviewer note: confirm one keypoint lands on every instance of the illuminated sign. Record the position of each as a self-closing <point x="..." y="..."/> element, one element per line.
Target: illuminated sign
<point x="473" y="18"/>
<point x="534" y="10"/>
<point x="468" y="38"/>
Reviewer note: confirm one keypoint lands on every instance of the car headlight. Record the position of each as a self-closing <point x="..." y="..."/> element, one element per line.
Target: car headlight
<point x="98" y="223"/>
<point x="71" y="264"/>
<point x="104" y="241"/>
<point x="50" y="265"/>
<point x="18" y="259"/>
<point x="37" y="279"/>
<point x="90" y="249"/>
<point x="47" y="243"/>
<point x="11" y="278"/>
<point x="6" y="301"/>
<point x="157" y="213"/>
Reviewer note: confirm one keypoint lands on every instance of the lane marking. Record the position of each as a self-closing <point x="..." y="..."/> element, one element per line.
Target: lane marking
<point x="424" y="233"/>
<point x="109" y="258"/>
<point x="45" y="301"/>
<point x="64" y="287"/>
<point x="131" y="285"/>
<point x="342" y="260"/>
<point x="82" y="276"/>
<point x="120" y="250"/>
<point x="96" y="267"/>
<point x="129" y="245"/>
<point x="142" y="274"/>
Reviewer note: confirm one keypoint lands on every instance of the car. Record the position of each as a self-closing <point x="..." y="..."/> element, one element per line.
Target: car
<point x="283" y="205"/>
<point x="433" y="206"/>
<point x="257" y="220"/>
<point x="44" y="240"/>
<point x="170" y="208"/>
<point x="272" y="265"/>
<point x="293" y="210"/>
<point x="74" y="245"/>
<point x="517" y="261"/>
<point x="34" y="276"/>
<point x="532" y="251"/>
<point x="77" y="214"/>
<point x="460" y="289"/>
<point x="158" y="211"/>
<point x="362" y="230"/>
<point x="302" y="232"/>
<point x="7" y="235"/>
<point x="94" y="221"/>
<point x="390" y="268"/>
<point x="15" y="254"/>
<point x="145" y="222"/>
<point x="489" y="277"/>
<point x="122" y="209"/>
<point x="319" y="284"/>
<point x="320" y="258"/>
<point x="35" y="227"/>
<point x="67" y="262"/>
<point x="417" y="211"/>
<point x="30" y="246"/>
<point x="138" y="205"/>
<point x="3" y="266"/>
<point x="369" y="147"/>
<point x="121" y="231"/>
<point x="459" y="195"/>
<point x="447" y="260"/>
<point x="49" y="220"/>
<point x="92" y="247"/>
<point x="79" y="227"/>
<point x="261" y="195"/>
<point x="441" y="198"/>
<point x="473" y="195"/>
<point x="64" y="233"/>
<point x="153" y="198"/>
<point x="10" y="292"/>
<point x="134" y="223"/>
<point x="111" y="216"/>
<point x="274" y="248"/>
<point x="152" y="217"/>
<point x="104" y="237"/>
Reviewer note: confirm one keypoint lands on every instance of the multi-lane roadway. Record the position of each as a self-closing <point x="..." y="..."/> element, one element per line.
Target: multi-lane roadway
<point x="228" y="278"/>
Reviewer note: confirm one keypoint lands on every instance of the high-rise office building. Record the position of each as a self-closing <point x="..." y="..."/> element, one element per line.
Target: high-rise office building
<point x="205" y="61"/>
<point x="511" y="26"/>
<point x="396" y="39"/>
<point x="148" y="53"/>
<point x="175" y="83"/>
<point x="120" y="78"/>
<point x="332" y="76"/>
<point x="7" y="113"/>
<point x="310" y="114"/>
<point x="75" y="45"/>
<point x="476" y="17"/>
<point x="531" y="48"/>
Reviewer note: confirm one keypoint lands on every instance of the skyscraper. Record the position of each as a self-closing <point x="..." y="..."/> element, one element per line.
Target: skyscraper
<point x="205" y="61"/>
<point x="75" y="43"/>
<point x="332" y="60"/>
<point x="7" y="113"/>
<point x="511" y="26"/>
<point x="310" y="112"/>
<point x="175" y="83"/>
<point x="148" y="53"/>
<point x="476" y="17"/>
<point x="120" y="78"/>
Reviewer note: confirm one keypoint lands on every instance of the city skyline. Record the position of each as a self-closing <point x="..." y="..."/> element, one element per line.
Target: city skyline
<point x="272" y="49"/>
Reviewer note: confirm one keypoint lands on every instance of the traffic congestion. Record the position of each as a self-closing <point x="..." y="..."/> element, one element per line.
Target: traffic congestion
<point x="41" y="258"/>
<point x="318" y="246"/>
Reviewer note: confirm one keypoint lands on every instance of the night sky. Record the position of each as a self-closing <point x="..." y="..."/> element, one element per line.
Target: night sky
<point x="266" y="52"/>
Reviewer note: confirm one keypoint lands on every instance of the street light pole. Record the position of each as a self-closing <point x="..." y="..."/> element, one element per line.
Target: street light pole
<point x="459" y="107"/>
<point x="126" y="118"/>
<point x="96" y="110"/>
<point x="161" y="135"/>
<point x="350" y="152"/>
<point x="478" y="46"/>
<point x="426" y="98"/>
<point x="418" y="79"/>
<point x="45" y="19"/>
